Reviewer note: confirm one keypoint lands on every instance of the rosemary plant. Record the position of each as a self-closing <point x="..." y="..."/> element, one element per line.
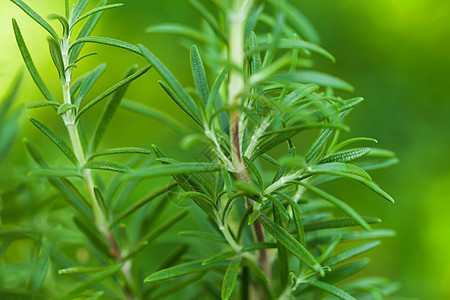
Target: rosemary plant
<point x="99" y="211"/>
<point x="260" y="187"/>
<point x="283" y="240"/>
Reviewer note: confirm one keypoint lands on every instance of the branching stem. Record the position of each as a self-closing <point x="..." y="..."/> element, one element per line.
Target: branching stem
<point x="236" y="84"/>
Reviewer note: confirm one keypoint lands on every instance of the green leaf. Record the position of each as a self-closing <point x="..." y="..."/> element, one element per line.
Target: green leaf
<point x="81" y="270"/>
<point x="85" y="31"/>
<point x="7" y="100"/>
<point x="358" y="177"/>
<point x="36" y="17"/>
<point x="218" y="257"/>
<point x="124" y="150"/>
<point x="213" y="95"/>
<point x="345" y="255"/>
<point x="93" y="11"/>
<point x="255" y="172"/>
<point x="65" y="107"/>
<point x="203" y="235"/>
<point x="41" y="265"/>
<point x="55" y="139"/>
<point x="299" y="93"/>
<point x="107" y="166"/>
<point x="43" y="103"/>
<point x="339" y="222"/>
<point x="343" y="272"/>
<point x="283" y="258"/>
<point x="296" y="212"/>
<point x="166" y="119"/>
<point x="287" y="240"/>
<point x="29" y="63"/>
<point x="109" y="111"/>
<point x="179" y="29"/>
<point x="176" y="91"/>
<point x="105" y="41"/>
<point x="292" y="44"/>
<point x="340" y="204"/>
<point x="143" y="201"/>
<point x="86" y="284"/>
<point x="78" y="10"/>
<point x="63" y="22"/>
<point x="298" y="20"/>
<point x="331" y="289"/>
<point x="351" y="141"/>
<point x="230" y="278"/>
<point x="88" y="83"/>
<point x="112" y="90"/>
<point x="340" y="169"/>
<point x="345" y="156"/>
<point x="183" y="269"/>
<point x="209" y="18"/>
<point x="319" y="78"/>
<point x="55" y="173"/>
<point x="283" y="166"/>
<point x="199" y="75"/>
<point x="166" y="226"/>
<point x="68" y="191"/>
<point x="177" y="169"/>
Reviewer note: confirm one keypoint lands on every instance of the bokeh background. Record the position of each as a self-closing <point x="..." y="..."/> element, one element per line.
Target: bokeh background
<point x="396" y="54"/>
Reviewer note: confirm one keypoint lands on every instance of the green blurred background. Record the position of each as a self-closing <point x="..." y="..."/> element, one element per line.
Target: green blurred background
<point x="396" y="54"/>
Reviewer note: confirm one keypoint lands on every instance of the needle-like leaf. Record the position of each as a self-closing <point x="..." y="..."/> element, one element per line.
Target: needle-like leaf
<point x="59" y="142"/>
<point x="287" y="240"/>
<point x="112" y="90"/>
<point x="29" y="63"/>
<point x="230" y="278"/>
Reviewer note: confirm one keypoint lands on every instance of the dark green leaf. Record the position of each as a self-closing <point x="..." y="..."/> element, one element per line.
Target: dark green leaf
<point x="199" y="75"/>
<point x="105" y="41"/>
<point x="218" y="257"/>
<point x="107" y="166"/>
<point x="209" y="18"/>
<point x="93" y="11"/>
<point x="331" y="289"/>
<point x="86" y="284"/>
<point x="337" y="223"/>
<point x="125" y="150"/>
<point x="179" y="29"/>
<point x="166" y="119"/>
<point x="88" y="83"/>
<point x="176" y="91"/>
<point x="86" y="31"/>
<point x="203" y="235"/>
<point x="177" y="169"/>
<point x="183" y="269"/>
<point x="36" y="17"/>
<point x="112" y="90"/>
<point x="43" y="103"/>
<point x="55" y="139"/>
<point x="345" y="255"/>
<point x="319" y="78"/>
<point x="63" y="21"/>
<point x="55" y="52"/>
<point x="345" y="156"/>
<point x="230" y="278"/>
<point x="287" y="240"/>
<point x="143" y="201"/>
<point x="29" y="63"/>
<point x="335" y="201"/>
<point x="109" y="111"/>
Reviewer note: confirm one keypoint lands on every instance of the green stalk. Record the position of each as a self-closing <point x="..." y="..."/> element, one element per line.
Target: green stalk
<point x="100" y="218"/>
<point x="236" y="87"/>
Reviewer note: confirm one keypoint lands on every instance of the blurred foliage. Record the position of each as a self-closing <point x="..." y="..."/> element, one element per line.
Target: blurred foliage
<point x="393" y="51"/>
